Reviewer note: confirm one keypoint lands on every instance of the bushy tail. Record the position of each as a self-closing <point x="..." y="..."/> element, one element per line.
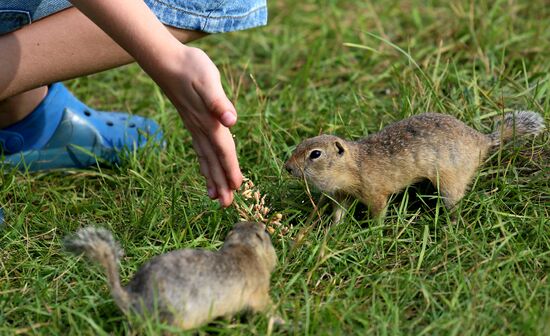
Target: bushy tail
<point x="100" y="246"/>
<point x="519" y="124"/>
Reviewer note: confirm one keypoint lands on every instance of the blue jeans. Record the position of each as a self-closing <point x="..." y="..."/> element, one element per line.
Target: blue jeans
<point x="215" y="16"/>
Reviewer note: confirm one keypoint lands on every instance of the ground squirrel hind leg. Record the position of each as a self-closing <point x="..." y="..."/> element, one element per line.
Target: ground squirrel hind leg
<point x="452" y="194"/>
<point x="260" y="301"/>
<point x="377" y="205"/>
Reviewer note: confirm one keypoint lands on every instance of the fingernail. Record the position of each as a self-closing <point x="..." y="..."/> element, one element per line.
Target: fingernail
<point x="211" y="192"/>
<point x="228" y="119"/>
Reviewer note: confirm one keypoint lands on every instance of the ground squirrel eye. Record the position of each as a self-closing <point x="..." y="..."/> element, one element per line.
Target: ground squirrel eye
<point x="259" y="237"/>
<point x="314" y="154"/>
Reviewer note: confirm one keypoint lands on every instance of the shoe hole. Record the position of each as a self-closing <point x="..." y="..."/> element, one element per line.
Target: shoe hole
<point x="109" y="123"/>
<point x="122" y="118"/>
<point x="131" y="125"/>
<point x="87" y="113"/>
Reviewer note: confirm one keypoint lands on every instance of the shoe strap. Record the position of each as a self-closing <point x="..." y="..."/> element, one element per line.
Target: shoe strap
<point x="11" y="142"/>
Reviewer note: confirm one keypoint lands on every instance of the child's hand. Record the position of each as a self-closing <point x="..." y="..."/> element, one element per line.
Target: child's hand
<point x="192" y="82"/>
<point x="187" y="76"/>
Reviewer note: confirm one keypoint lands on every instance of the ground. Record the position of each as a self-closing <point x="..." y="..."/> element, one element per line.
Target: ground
<point x="342" y="67"/>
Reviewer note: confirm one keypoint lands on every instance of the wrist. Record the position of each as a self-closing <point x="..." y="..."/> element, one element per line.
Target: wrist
<point x="161" y="57"/>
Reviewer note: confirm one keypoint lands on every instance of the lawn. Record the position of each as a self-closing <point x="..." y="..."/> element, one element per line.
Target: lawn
<point x="342" y="67"/>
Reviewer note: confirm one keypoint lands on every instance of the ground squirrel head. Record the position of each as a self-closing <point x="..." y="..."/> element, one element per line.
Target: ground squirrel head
<point x="253" y="235"/>
<point x="321" y="160"/>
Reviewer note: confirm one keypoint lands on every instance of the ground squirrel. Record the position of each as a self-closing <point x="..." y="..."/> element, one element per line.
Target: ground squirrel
<point x="188" y="287"/>
<point x="431" y="146"/>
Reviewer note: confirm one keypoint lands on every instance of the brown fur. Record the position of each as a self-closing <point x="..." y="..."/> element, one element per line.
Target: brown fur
<point x="430" y="146"/>
<point x="188" y="288"/>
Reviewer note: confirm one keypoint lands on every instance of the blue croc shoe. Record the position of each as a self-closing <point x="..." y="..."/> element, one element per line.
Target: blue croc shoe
<point x="62" y="132"/>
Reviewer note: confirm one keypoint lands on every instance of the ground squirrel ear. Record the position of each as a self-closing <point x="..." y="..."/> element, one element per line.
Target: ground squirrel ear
<point x="340" y="147"/>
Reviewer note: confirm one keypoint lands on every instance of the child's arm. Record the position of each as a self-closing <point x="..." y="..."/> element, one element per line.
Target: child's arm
<point x="189" y="79"/>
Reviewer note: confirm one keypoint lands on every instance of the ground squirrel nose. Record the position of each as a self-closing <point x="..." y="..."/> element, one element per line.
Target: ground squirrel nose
<point x="288" y="169"/>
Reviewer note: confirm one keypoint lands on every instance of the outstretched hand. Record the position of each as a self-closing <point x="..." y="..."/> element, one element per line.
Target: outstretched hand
<point x="192" y="82"/>
<point x="187" y="76"/>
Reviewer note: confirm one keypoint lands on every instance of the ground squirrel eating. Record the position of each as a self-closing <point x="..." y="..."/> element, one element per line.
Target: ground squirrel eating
<point x="431" y="146"/>
<point x="189" y="287"/>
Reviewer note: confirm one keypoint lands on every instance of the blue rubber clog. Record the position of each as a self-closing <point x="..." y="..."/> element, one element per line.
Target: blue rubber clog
<point x="63" y="132"/>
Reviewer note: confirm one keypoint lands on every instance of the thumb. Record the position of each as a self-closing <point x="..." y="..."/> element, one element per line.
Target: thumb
<point x="224" y="111"/>
<point x="217" y="103"/>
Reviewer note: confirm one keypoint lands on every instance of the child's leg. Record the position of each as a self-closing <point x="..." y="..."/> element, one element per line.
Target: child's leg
<point x="61" y="46"/>
<point x="16" y="108"/>
<point x="66" y="45"/>
<point x="41" y="133"/>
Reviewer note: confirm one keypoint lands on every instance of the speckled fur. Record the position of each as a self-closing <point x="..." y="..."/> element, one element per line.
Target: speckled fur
<point x="430" y="146"/>
<point x="188" y="288"/>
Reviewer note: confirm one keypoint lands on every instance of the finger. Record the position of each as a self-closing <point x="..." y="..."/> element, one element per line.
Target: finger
<point x="224" y="145"/>
<point x="221" y="140"/>
<point x="224" y="194"/>
<point x="214" y="98"/>
<point x="203" y="166"/>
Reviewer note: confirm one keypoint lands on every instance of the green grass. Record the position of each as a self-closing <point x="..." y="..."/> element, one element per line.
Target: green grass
<point x="347" y="68"/>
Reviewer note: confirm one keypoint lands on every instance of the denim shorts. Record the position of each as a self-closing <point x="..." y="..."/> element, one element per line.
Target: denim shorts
<point x="210" y="16"/>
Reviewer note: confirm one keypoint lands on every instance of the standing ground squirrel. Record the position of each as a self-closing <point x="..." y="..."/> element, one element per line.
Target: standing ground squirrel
<point x="430" y="146"/>
<point x="187" y="287"/>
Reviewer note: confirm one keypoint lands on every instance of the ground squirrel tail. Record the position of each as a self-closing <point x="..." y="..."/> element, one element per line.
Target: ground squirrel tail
<point x="100" y="246"/>
<point x="518" y="123"/>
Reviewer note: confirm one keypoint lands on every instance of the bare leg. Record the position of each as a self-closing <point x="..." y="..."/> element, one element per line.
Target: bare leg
<point x="59" y="47"/>
<point x="16" y="108"/>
